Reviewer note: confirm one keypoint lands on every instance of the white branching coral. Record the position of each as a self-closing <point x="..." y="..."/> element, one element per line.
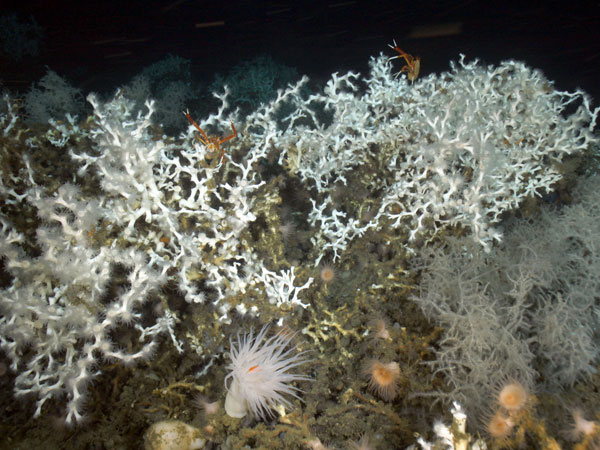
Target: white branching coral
<point x="479" y="141"/>
<point x="161" y="216"/>
<point x="55" y="312"/>
<point x="458" y="148"/>
<point x="453" y="437"/>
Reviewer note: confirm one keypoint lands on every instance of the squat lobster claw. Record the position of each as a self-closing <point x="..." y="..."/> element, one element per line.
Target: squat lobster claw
<point x="212" y="144"/>
<point x="413" y="64"/>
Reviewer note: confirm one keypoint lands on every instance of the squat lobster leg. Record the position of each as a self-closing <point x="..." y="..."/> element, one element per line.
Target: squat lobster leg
<point x="186" y="113"/>
<point x="413" y="64"/>
<point x="213" y="144"/>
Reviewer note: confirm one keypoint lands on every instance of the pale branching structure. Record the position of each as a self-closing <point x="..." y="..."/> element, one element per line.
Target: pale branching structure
<point x="140" y="211"/>
<point x="96" y="263"/>
<point x="56" y="320"/>
<point x="458" y="148"/>
<point x="528" y="310"/>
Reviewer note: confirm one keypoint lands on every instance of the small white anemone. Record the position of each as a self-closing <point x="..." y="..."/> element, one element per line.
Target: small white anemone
<point x="259" y="378"/>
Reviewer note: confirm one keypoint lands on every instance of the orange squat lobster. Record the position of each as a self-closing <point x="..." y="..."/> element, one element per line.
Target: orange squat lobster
<point x="212" y="144"/>
<point x="413" y="64"/>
